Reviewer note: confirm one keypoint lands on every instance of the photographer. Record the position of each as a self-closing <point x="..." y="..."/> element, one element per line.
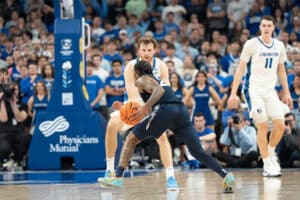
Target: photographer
<point x="12" y="136"/>
<point x="289" y="147"/>
<point x="239" y="144"/>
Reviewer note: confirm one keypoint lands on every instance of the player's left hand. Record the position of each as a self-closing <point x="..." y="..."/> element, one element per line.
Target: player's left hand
<point x="139" y="114"/>
<point x="286" y="98"/>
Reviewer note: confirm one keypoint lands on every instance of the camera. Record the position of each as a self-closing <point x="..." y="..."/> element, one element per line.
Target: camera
<point x="236" y="119"/>
<point x="8" y="92"/>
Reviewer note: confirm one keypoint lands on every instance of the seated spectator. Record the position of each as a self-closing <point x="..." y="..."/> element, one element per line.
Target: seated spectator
<point x="171" y="56"/>
<point x="239" y="144"/>
<point x="48" y="76"/>
<point x="289" y="147"/>
<point x="115" y="84"/>
<point x="206" y="135"/>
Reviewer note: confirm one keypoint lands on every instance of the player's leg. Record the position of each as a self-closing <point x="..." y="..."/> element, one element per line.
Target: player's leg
<point x="111" y="140"/>
<point x="278" y="127"/>
<point x="167" y="160"/>
<point x="189" y="136"/>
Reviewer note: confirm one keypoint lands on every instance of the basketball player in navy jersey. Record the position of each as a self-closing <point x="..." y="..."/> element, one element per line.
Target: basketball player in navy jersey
<point x="162" y="111"/>
<point x="147" y="47"/>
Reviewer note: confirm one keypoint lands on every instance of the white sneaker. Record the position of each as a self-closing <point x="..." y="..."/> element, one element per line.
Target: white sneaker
<point x="275" y="162"/>
<point x="270" y="169"/>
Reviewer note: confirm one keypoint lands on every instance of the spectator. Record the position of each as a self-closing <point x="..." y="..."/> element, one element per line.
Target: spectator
<point x="178" y="11"/>
<point x="95" y="88"/>
<point x="111" y="52"/>
<point x="48" y="76"/>
<point x="159" y="32"/>
<point x="239" y="144"/>
<point x="13" y="138"/>
<point x="202" y="92"/>
<point x="136" y="7"/>
<point x="206" y="135"/>
<point x="178" y="88"/>
<point x="28" y="84"/>
<point x="189" y="71"/>
<point x="133" y="26"/>
<point x="289" y="146"/>
<point x="253" y="19"/>
<point x="169" y="23"/>
<point x="296" y="72"/>
<point x="236" y="13"/>
<point x="38" y="102"/>
<point x="229" y="62"/>
<point x="216" y="16"/>
<point x="115" y="84"/>
<point x="171" y="56"/>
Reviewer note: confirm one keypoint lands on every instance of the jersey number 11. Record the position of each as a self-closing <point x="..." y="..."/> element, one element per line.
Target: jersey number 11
<point x="268" y="63"/>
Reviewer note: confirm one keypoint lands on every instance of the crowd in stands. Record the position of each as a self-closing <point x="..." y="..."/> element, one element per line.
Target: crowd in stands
<point x="200" y="42"/>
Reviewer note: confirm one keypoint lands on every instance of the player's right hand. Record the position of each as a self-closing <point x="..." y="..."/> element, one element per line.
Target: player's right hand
<point x="233" y="100"/>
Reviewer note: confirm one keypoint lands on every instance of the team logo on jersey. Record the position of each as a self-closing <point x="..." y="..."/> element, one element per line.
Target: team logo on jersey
<point x="259" y="110"/>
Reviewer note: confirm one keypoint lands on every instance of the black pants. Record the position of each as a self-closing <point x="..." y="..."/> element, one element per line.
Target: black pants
<point x="242" y="161"/>
<point x="16" y="142"/>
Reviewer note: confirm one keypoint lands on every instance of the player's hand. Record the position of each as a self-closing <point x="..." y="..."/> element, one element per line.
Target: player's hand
<point x="117" y="105"/>
<point x="1" y="95"/>
<point x="286" y="98"/>
<point x="233" y="100"/>
<point x="139" y="114"/>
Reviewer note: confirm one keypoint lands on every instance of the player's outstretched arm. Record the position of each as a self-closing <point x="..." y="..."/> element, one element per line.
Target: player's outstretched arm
<point x="129" y="76"/>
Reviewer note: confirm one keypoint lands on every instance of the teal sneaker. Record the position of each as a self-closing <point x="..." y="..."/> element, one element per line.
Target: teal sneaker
<point x="112" y="181"/>
<point x="172" y="184"/>
<point x="229" y="182"/>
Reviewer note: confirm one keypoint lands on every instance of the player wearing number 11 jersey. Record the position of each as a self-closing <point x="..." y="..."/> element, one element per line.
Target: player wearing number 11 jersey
<point x="264" y="57"/>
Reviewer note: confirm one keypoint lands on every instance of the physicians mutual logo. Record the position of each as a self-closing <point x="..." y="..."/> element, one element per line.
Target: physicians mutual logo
<point x="59" y="124"/>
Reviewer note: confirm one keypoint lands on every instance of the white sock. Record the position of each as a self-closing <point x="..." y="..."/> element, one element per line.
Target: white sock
<point x="271" y="150"/>
<point x="266" y="159"/>
<point x="110" y="164"/>
<point x="170" y="172"/>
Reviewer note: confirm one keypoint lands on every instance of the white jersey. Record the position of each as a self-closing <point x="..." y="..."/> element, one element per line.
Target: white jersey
<point x="262" y="62"/>
<point x="155" y="67"/>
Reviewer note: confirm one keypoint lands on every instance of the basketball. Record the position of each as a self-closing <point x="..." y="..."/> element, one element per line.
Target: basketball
<point x="126" y="110"/>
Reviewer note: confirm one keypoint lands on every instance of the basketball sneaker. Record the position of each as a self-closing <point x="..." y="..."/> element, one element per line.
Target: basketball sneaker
<point x="108" y="174"/>
<point x="271" y="168"/>
<point x="275" y="162"/>
<point x="172" y="184"/>
<point x="113" y="181"/>
<point x="228" y="183"/>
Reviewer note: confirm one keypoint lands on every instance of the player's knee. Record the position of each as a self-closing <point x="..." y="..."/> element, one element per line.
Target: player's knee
<point x="279" y="125"/>
<point x="132" y="139"/>
<point x="114" y="125"/>
<point x="163" y="139"/>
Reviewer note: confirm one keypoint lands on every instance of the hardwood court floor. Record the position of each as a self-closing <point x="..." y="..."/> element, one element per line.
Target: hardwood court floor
<point x="199" y="184"/>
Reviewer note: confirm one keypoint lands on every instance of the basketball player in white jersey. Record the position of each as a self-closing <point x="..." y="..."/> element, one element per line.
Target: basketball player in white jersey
<point x="264" y="57"/>
<point x="147" y="47"/>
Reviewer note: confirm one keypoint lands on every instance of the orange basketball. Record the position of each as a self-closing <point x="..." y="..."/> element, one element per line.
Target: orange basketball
<point x="126" y="110"/>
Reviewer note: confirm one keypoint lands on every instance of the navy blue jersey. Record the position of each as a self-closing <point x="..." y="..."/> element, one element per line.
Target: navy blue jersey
<point x="168" y="97"/>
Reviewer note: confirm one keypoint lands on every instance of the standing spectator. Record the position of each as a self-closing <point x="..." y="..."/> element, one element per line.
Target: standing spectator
<point x="216" y="16"/>
<point x="236" y="13"/>
<point x="48" y="76"/>
<point x="177" y="9"/>
<point x="95" y="88"/>
<point x="202" y="92"/>
<point x="253" y="18"/>
<point x="38" y="102"/>
<point x="171" y="56"/>
<point x="136" y="7"/>
<point x="229" y="62"/>
<point x="28" y="84"/>
<point x="115" y="84"/>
